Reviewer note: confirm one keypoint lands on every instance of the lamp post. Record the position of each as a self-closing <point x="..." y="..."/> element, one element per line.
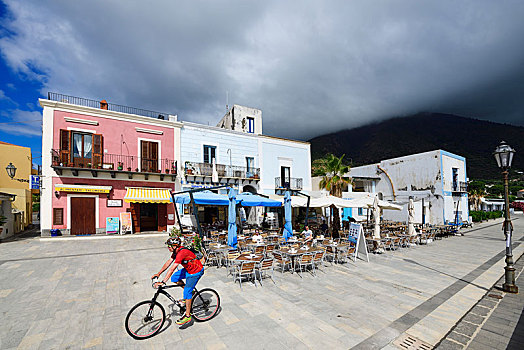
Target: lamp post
<point x="504" y="155"/>
<point x="11" y="171"/>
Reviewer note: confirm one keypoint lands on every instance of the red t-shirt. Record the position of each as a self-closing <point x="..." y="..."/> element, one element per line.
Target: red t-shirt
<point x="185" y="255"/>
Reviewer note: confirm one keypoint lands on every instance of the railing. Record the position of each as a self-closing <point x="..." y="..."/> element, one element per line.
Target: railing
<point x="116" y="162"/>
<point x="80" y="101"/>
<point x="292" y="183"/>
<point x="460" y="186"/>
<point x="206" y="169"/>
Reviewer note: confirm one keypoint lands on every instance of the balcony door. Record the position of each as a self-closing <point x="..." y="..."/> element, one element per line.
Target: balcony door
<point x="285" y="176"/>
<point x="82" y="149"/>
<point x="149" y="152"/>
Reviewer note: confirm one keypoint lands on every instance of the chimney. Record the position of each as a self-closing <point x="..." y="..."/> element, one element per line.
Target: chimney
<point x="103" y="104"/>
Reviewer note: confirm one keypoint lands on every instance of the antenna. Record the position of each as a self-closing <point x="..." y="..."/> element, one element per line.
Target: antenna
<point x="227" y="100"/>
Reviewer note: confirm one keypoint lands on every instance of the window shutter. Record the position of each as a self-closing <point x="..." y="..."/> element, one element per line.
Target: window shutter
<point x="65" y="149"/>
<point x="98" y="150"/>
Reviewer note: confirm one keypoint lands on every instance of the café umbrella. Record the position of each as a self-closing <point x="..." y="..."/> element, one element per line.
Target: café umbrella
<point x="231" y="218"/>
<point x="288" y="228"/>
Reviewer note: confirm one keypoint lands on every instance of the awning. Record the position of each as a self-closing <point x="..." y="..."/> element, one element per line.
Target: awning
<point x="148" y="195"/>
<point x="203" y="198"/>
<point x="247" y="199"/>
<point x="83" y="188"/>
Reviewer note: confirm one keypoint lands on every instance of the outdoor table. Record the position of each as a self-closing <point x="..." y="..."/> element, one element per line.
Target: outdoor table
<point x="250" y="257"/>
<point x="221" y="249"/>
<point x="336" y="248"/>
<point x="295" y="253"/>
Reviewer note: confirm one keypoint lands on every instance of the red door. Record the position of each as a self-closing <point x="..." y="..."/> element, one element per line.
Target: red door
<point x="83" y="215"/>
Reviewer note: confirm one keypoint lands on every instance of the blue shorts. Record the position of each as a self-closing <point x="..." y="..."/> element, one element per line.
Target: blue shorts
<point x="191" y="280"/>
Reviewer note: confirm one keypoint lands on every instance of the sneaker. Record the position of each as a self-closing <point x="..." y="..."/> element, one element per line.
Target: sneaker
<point x="183" y="320"/>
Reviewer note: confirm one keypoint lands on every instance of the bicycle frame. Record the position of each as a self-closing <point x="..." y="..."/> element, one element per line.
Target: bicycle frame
<point x="161" y="290"/>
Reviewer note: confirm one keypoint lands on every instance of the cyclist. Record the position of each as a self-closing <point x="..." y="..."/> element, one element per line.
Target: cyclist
<point x="191" y="272"/>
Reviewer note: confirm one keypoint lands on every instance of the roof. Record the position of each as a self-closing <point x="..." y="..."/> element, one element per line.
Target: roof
<point x="10" y="144"/>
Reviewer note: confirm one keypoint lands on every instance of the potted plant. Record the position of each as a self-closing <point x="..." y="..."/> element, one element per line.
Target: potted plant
<point x="89" y="165"/>
<point x="167" y="171"/>
<point x="128" y="168"/>
<point x="136" y="169"/>
<point x="173" y="170"/>
<point x="189" y="168"/>
<point x="120" y="166"/>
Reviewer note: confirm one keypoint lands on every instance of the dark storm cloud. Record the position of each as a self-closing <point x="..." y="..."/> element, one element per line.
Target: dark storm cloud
<point x="312" y="67"/>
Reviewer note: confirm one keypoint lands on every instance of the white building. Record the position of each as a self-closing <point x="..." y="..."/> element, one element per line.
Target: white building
<point x="235" y="153"/>
<point x="437" y="181"/>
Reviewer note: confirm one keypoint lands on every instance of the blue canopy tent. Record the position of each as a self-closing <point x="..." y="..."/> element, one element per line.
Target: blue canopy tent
<point x="288" y="228"/>
<point x="202" y="198"/>
<point x="232" y="218"/>
<point x="248" y="199"/>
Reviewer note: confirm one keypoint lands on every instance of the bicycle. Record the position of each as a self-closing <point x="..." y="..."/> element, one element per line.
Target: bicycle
<point x="146" y="318"/>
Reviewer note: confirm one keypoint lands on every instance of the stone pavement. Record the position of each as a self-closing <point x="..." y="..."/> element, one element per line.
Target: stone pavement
<point x="495" y="322"/>
<point x="75" y="293"/>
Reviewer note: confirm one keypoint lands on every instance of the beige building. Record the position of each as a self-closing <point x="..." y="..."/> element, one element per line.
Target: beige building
<point x="21" y="158"/>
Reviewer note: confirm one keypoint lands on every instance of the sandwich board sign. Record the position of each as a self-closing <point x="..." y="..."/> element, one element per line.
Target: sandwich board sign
<point x="356" y="235"/>
<point x="126" y="224"/>
<point x="112" y="225"/>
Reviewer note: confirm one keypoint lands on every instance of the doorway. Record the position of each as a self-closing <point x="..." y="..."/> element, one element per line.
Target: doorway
<point x="148" y="217"/>
<point x="83" y="215"/>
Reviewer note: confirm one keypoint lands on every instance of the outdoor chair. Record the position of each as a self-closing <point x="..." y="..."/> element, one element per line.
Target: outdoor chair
<point x="263" y="268"/>
<point x="281" y="260"/>
<point x="305" y="261"/>
<point x="395" y="243"/>
<point x="318" y="259"/>
<point x="269" y="249"/>
<point x="260" y="249"/>
<point x="230" y="260"/>
<point x="423" y="238"/>
<point x="213" y="257"/>
<point x="330" y="253"/>
<point x="244" y="269"/>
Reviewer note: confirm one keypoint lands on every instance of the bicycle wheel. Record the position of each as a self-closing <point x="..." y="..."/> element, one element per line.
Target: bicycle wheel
<point x="145" y="319"/>
<point x="205" y="304"/>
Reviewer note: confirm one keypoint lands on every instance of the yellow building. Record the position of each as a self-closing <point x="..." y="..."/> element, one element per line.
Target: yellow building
<point x="21" y="158"/>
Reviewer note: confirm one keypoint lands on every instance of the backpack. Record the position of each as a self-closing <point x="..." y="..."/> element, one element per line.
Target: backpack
<point x="198" y="255"/>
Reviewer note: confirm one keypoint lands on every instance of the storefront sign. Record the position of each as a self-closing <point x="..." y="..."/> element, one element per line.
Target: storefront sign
<point x="171" y="216"/>
<point x="127" y="223"/>
<point x="114" y="202"/>
<point x="112" y="225"/>
<point x="83" y="188"/>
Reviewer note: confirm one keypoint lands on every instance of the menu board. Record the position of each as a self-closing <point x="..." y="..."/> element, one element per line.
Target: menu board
<point x="126" y="223"/>
<point x="356" y="235"/>
<point x="112" y="225"/>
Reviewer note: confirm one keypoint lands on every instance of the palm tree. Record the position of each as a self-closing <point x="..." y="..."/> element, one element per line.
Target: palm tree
<point x="333" y="180"/>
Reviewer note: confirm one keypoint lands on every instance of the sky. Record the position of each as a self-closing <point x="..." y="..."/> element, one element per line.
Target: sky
<point x="312" y="67"/>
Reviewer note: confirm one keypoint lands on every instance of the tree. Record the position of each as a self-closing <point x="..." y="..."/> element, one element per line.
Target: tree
<point x="333" y="170"/>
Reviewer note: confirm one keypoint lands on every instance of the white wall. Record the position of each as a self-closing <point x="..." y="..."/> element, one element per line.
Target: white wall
<point x="276" y="152"/>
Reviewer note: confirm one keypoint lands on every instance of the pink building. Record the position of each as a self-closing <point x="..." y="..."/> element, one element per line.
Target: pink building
<point x="103" y="161"/>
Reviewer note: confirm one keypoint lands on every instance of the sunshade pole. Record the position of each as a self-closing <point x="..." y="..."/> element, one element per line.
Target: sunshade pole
<point x="177" y="216"/>
<point x="195" y="212"/>
<point x="239" y="228"/>
<point x="307" y="207"/>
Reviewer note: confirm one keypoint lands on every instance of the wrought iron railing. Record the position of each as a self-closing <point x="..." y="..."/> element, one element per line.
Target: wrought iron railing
<point x="116" y="162"/>
<point x="292" y="183"/>
<point x="80" y="101"/>
<point x="460" y="186"/>
<point x="206" y="169"/>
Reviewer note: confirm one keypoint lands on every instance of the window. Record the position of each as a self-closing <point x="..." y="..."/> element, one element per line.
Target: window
<point x="250" y="165"/>
<point x="80" y="149"/>
<point x="58" y="216"/>
<point x="360" y="211"/>
<point x="149" y="152"/>
<point x="250" y="125"/>
<point x="209" y="154"/>
<point x="455" y="179"/>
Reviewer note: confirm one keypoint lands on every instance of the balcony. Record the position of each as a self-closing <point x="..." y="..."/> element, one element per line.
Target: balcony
<point x="80" y="101"/>
<point x="290" y="183"/>
<point x="460" y="187"/>
<point x="228" y="172"/>
<point x="113" y="164"/>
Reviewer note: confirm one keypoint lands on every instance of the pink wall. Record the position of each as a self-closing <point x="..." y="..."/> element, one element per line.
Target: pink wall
<point x="118" y="192"/>
<point x="116" y="131"/>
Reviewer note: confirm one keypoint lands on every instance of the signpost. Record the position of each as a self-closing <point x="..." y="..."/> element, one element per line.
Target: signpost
<point x="126" y="223"/>
<point x="356" y="235"/>
<point x="35" y="182"/>
<point x="112" y="225"/>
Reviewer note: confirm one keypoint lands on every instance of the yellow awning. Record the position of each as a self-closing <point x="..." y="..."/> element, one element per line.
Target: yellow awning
<point x="148" y="195"/>
<point x="83" y="188"/>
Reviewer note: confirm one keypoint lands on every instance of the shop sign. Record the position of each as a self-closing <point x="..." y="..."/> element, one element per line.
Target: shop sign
<point x="114" y="202"/>
<point x="127" y="223"/>
<point x="112" y="225"/>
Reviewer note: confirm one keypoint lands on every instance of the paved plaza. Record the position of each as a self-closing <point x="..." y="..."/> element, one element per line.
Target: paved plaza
<point x="74" y="293"/>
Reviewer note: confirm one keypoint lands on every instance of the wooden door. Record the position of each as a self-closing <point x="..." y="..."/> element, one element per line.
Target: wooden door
<point x="162" y="217"/>
<point x="135" y="216"/>
<point x="83" y="215"/>
<point x="149" y="153"/>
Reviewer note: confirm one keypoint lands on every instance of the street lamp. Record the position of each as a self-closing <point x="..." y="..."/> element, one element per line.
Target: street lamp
<point x="504" y="156"/>
<point x="11" y="171"/>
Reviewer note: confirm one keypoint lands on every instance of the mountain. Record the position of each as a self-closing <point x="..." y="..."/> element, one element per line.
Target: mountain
<point x="471" y="138"/>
